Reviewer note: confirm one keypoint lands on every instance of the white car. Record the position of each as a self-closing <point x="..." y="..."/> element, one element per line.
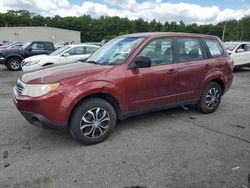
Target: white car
<point x="65" y="43"/>
<point x="240" y="53"/>
<point x="67" y="54"/>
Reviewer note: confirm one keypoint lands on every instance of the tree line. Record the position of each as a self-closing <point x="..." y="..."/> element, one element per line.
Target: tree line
<point x="97" y="29"/>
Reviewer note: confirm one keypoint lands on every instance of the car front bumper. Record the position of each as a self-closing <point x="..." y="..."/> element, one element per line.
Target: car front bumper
<point x="48" y="111"/>
<point x="41" y="121"/>
<point x="2" y="60"/>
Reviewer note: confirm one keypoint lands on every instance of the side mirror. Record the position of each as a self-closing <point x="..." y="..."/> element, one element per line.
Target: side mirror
<point x="240" y="50"/>
<point x="141" y="62"/>
<point x="65" y="54"/>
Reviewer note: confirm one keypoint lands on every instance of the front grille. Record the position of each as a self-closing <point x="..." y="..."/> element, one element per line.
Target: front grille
<point x="19" y="87"/>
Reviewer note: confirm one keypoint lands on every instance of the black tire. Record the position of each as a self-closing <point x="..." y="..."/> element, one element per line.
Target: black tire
<point x="213" y="92"/>
<point x="82" y="117"/>
<point x="14" y="64"/>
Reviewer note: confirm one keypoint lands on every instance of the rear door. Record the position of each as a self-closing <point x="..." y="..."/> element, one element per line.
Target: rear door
<point x="156" y="85"/>
<point x="192" y="66"/>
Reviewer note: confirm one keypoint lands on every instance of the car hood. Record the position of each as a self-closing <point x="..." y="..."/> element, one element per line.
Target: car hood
<point x="58" y="73"/>
<point x="37" y="57"/>
<point x="10" y="50"/>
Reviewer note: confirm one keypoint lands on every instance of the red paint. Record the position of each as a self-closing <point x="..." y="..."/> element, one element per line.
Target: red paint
<point x="135" y="90"/>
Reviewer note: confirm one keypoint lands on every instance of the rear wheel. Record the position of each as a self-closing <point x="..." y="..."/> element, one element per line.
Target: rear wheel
<point x="210" y="98"/>
<point x="14" y="64"/>
<point x="92" y="121"/>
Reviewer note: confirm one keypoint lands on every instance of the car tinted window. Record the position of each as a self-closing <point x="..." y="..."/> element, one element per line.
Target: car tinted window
<point x="49" y="46"/>
<point x="37" y="46"/>
<point x="189" y="49"/>
<point x="77" y="51"/>
<point x="90" y="49"/>
<point x="214" y="47"/>
<point x="160" y="51"/>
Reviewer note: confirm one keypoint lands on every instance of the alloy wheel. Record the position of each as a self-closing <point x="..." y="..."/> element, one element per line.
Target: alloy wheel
<point x="212" y="98"/>
<point x="14" y="64"/>
<point x="95" y="122"/>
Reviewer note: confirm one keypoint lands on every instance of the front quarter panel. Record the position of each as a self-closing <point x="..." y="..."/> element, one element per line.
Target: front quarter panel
<point x="83" y="90"/>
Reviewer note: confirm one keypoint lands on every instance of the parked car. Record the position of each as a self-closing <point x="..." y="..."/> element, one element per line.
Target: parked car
<point x="64" y="43"/>
<point x="240" y="52"/>
<point x="12" y="58"/>
<point x="66" y="54"/>
<point x="129" y="75"/>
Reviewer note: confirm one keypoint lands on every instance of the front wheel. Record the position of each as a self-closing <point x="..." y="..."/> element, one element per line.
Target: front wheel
<point x="14" y="64"/>
<point x="210" y="98"/>
<point x="92" y="121"/>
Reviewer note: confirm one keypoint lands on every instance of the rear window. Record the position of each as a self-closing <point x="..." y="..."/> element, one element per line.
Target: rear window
<point x="214" y="47"/>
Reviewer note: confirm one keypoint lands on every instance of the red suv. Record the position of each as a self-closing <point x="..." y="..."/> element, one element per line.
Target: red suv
<point x="129" y="75"/>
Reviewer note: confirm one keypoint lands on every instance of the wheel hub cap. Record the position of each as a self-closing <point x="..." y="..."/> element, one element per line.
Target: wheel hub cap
<point x="212" y="98"/>
<point x="95" y="122"/>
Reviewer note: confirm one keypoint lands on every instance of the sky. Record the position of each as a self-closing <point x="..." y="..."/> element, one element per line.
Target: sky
<point x="189" y="11"/>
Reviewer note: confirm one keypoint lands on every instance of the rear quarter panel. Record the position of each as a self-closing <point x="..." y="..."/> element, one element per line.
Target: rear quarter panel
<point x="220" y="70"/>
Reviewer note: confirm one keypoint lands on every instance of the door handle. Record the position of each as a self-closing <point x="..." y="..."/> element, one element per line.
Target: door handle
<point x="172" y="71"/>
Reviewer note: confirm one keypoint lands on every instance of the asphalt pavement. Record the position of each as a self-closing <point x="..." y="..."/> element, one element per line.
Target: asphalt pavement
<point x="174" y="148"/>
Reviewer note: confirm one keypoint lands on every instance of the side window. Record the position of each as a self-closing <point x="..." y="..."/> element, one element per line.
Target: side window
<point x="160" y="51"/>
<point x="189" y="49"/>
<point x="248" y="47"/>
<point x="77" y="51"/>
<point x="242" y="48"/>
<point x="214" y="47"/>
<point x="37" y="46"/>
<point x="49" y="46"/>
<point x="90" y="49"/>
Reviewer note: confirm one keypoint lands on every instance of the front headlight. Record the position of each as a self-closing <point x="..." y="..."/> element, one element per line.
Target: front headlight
<point x="37" y="90"/>
<point x="29" y="63"/>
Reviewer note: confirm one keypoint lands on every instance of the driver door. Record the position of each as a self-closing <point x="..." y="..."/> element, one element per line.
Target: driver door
<point x="36" y="48"/>
<point x="154" y="86"/>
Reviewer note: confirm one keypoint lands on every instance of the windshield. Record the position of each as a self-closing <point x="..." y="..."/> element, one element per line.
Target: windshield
<point x="230" y="46"/>
<point x="60" y="50"/>
<point x="116" y="51"/>
<point x="26" y="45"/>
